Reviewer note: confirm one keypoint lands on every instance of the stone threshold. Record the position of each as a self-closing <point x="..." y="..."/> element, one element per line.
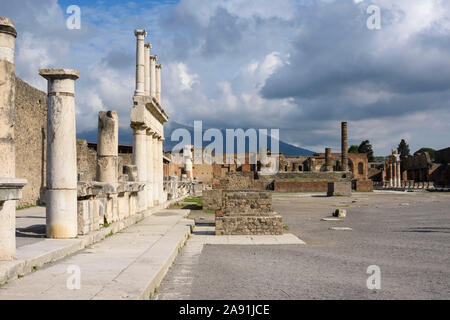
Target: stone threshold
<point x="32" y="257"/>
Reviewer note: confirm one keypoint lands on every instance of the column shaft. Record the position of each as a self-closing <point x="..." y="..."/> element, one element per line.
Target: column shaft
<point x="140" y="62"/>
<point x="344" y="146"/>
<point x="158" y="83"/>
<point x="155" y="170"/>
<point x="153" y="76"/>
<point x="139" y="160"/>
<point x="150" y="173"/>
<point x="161" y="170"/>
<point x="108" y="147"/>
<point x="147" y="69"/>
<point x="61" y="153"/>
<point x="7" y="146"/>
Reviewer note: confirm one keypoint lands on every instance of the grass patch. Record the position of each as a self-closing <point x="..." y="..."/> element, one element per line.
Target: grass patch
<point x="197" y="200"/>
<point x="25" y="207"/>
<point x="285" y="228"/>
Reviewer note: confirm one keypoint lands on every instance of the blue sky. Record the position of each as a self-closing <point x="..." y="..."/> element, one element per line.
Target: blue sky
<point x="299" y="65"/>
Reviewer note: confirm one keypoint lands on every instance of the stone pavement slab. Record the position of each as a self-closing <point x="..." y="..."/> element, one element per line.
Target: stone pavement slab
<point x="127" y="265"/>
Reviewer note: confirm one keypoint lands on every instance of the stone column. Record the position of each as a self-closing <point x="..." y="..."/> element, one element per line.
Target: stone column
<point x="10" y="188"/>
<point x="390" y="175"/>
<point x="399" y="177"/>
<point x="61" y="192"/>
<point x="108" y="147"/>
<point x="147" y="47"/>
<point x="140" y="161"/>
<point x="155" y="169"/>
<point x="344" y="146"/>
<point x="161" y="170"/>
<point x="150" y="173"/>
<point x="158" y="83"/>
<point x="140" y="62"/>
<point x="188" y="168"/>
<point x="328" y="160"/>
<point x="153" y="75"/>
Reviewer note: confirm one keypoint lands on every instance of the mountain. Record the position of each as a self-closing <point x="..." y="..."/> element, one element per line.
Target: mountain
<point x="126" y="138"/>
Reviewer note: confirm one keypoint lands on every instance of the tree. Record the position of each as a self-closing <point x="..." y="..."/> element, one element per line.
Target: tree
<point x="430" y="151"/>
<point x="353" y="149"/>
<point x="366" y="147"/>
<point x="403" y="149"/>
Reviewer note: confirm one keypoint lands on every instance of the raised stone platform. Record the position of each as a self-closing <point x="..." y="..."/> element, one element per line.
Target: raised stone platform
<point x="341" y="188"/>
<point x="246" y="212"/>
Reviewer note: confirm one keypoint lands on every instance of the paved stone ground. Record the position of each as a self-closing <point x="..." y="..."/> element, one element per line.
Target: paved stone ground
<point x="406" y="234"/>
<point x="126" y="265"/>
<point x="30" y="226"/>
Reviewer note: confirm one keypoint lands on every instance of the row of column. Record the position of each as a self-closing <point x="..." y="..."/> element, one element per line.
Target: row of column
<point x="148" y="72"/>
<point x="393" y="174"/>
<point x="147" y="143"/>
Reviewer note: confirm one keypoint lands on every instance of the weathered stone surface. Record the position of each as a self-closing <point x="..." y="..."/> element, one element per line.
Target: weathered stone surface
<point x="340" y="213"/>
<point x="212" y="199"/>
<point x="339" y="189"/>
<point x="249" y="225"/>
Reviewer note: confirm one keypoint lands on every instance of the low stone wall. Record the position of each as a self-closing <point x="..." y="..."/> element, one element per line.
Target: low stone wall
<point x="250" y="203"/>
<point x="300" y="186"/>
<point x="249" y="225"/>
<point x="105" y="203"/>
<point x="364" y="185"/>
<point x="340" y="188"/>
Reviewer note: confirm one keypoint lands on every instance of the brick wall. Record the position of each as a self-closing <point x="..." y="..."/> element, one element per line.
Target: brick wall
<point x="300" y="186"/>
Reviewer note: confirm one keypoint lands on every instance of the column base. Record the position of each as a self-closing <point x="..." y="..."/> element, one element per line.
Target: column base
<point x="62" y="214"/>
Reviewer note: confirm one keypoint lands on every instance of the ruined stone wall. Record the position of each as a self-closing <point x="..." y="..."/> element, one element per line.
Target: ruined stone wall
<point x="204" y="172"/>
<point x="31" y="145"/>
<point x="300" y="186"/>
<point x="86" y="161"/>
<point x="364" y="185"/>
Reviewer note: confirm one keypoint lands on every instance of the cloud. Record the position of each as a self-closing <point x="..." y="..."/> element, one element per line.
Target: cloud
<point x="301" y="66"/>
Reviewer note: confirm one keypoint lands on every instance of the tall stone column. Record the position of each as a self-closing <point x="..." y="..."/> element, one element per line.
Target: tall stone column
<point x="391" y="181"/>
<point x="153" y="75"/>
<point x="161" y="170"/>
<point x="10" y="187"/>
<point x="61" y="153"/>
<point x="158" y="83"/>
<point x="140" y="62"/>
<point x="147" y="48"/>
<point x="155" y="169"/>
<point x="140" y="161"/>
<point x="328" y="160"/>
<point x="399" y="177"/>
<point x="344" y="146"/>
<point x="108" y="147"/>
<point x="150" y="173"/>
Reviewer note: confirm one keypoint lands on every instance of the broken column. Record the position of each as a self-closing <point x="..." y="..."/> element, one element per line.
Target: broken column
<point x="10" y="187"/>
<point x="344" y="146"/>
<point x="150" y="173"/>
<point x="140" y="62"/>
<point x="147" y="48"/>
<point x="108" y="147"/>
<point x="158" y="83"/>
<point x="140" y="160"/>
<point x="328" y="160"/>
<point x="153" y="75"/>
<point x="61" y="153"/>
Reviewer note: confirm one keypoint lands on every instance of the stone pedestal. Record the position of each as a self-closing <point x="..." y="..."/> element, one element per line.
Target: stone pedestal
<point x="108" y="147"/>
<point x="339" y="188"/>
<point x="61" y="153"/>
<point x="247" y="213"/>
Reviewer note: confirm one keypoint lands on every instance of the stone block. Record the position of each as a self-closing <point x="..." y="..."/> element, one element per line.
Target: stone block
<point x="339" y="188"/>
<point x="340" y="213"/>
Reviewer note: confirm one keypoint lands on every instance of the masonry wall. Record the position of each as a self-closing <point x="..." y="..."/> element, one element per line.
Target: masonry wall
<point x="301" y="186"/>
<point x="31" y="145"/>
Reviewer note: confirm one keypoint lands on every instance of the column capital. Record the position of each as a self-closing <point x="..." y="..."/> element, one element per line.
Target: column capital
<point x="150" y="132"/>
<point x="140" y="33"/>
<point x="7" y="26"/>
<point x="161" y="139"/>
<point x="153" y="57"/>
<point x="147" y="45"/>
<point x="138" y="126"/>
<point x="58" y="74"/>
<point x="159" y="66"/>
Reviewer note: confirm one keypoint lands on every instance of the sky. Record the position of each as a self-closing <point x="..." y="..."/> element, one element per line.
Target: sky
<point x="301" y="66"/>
